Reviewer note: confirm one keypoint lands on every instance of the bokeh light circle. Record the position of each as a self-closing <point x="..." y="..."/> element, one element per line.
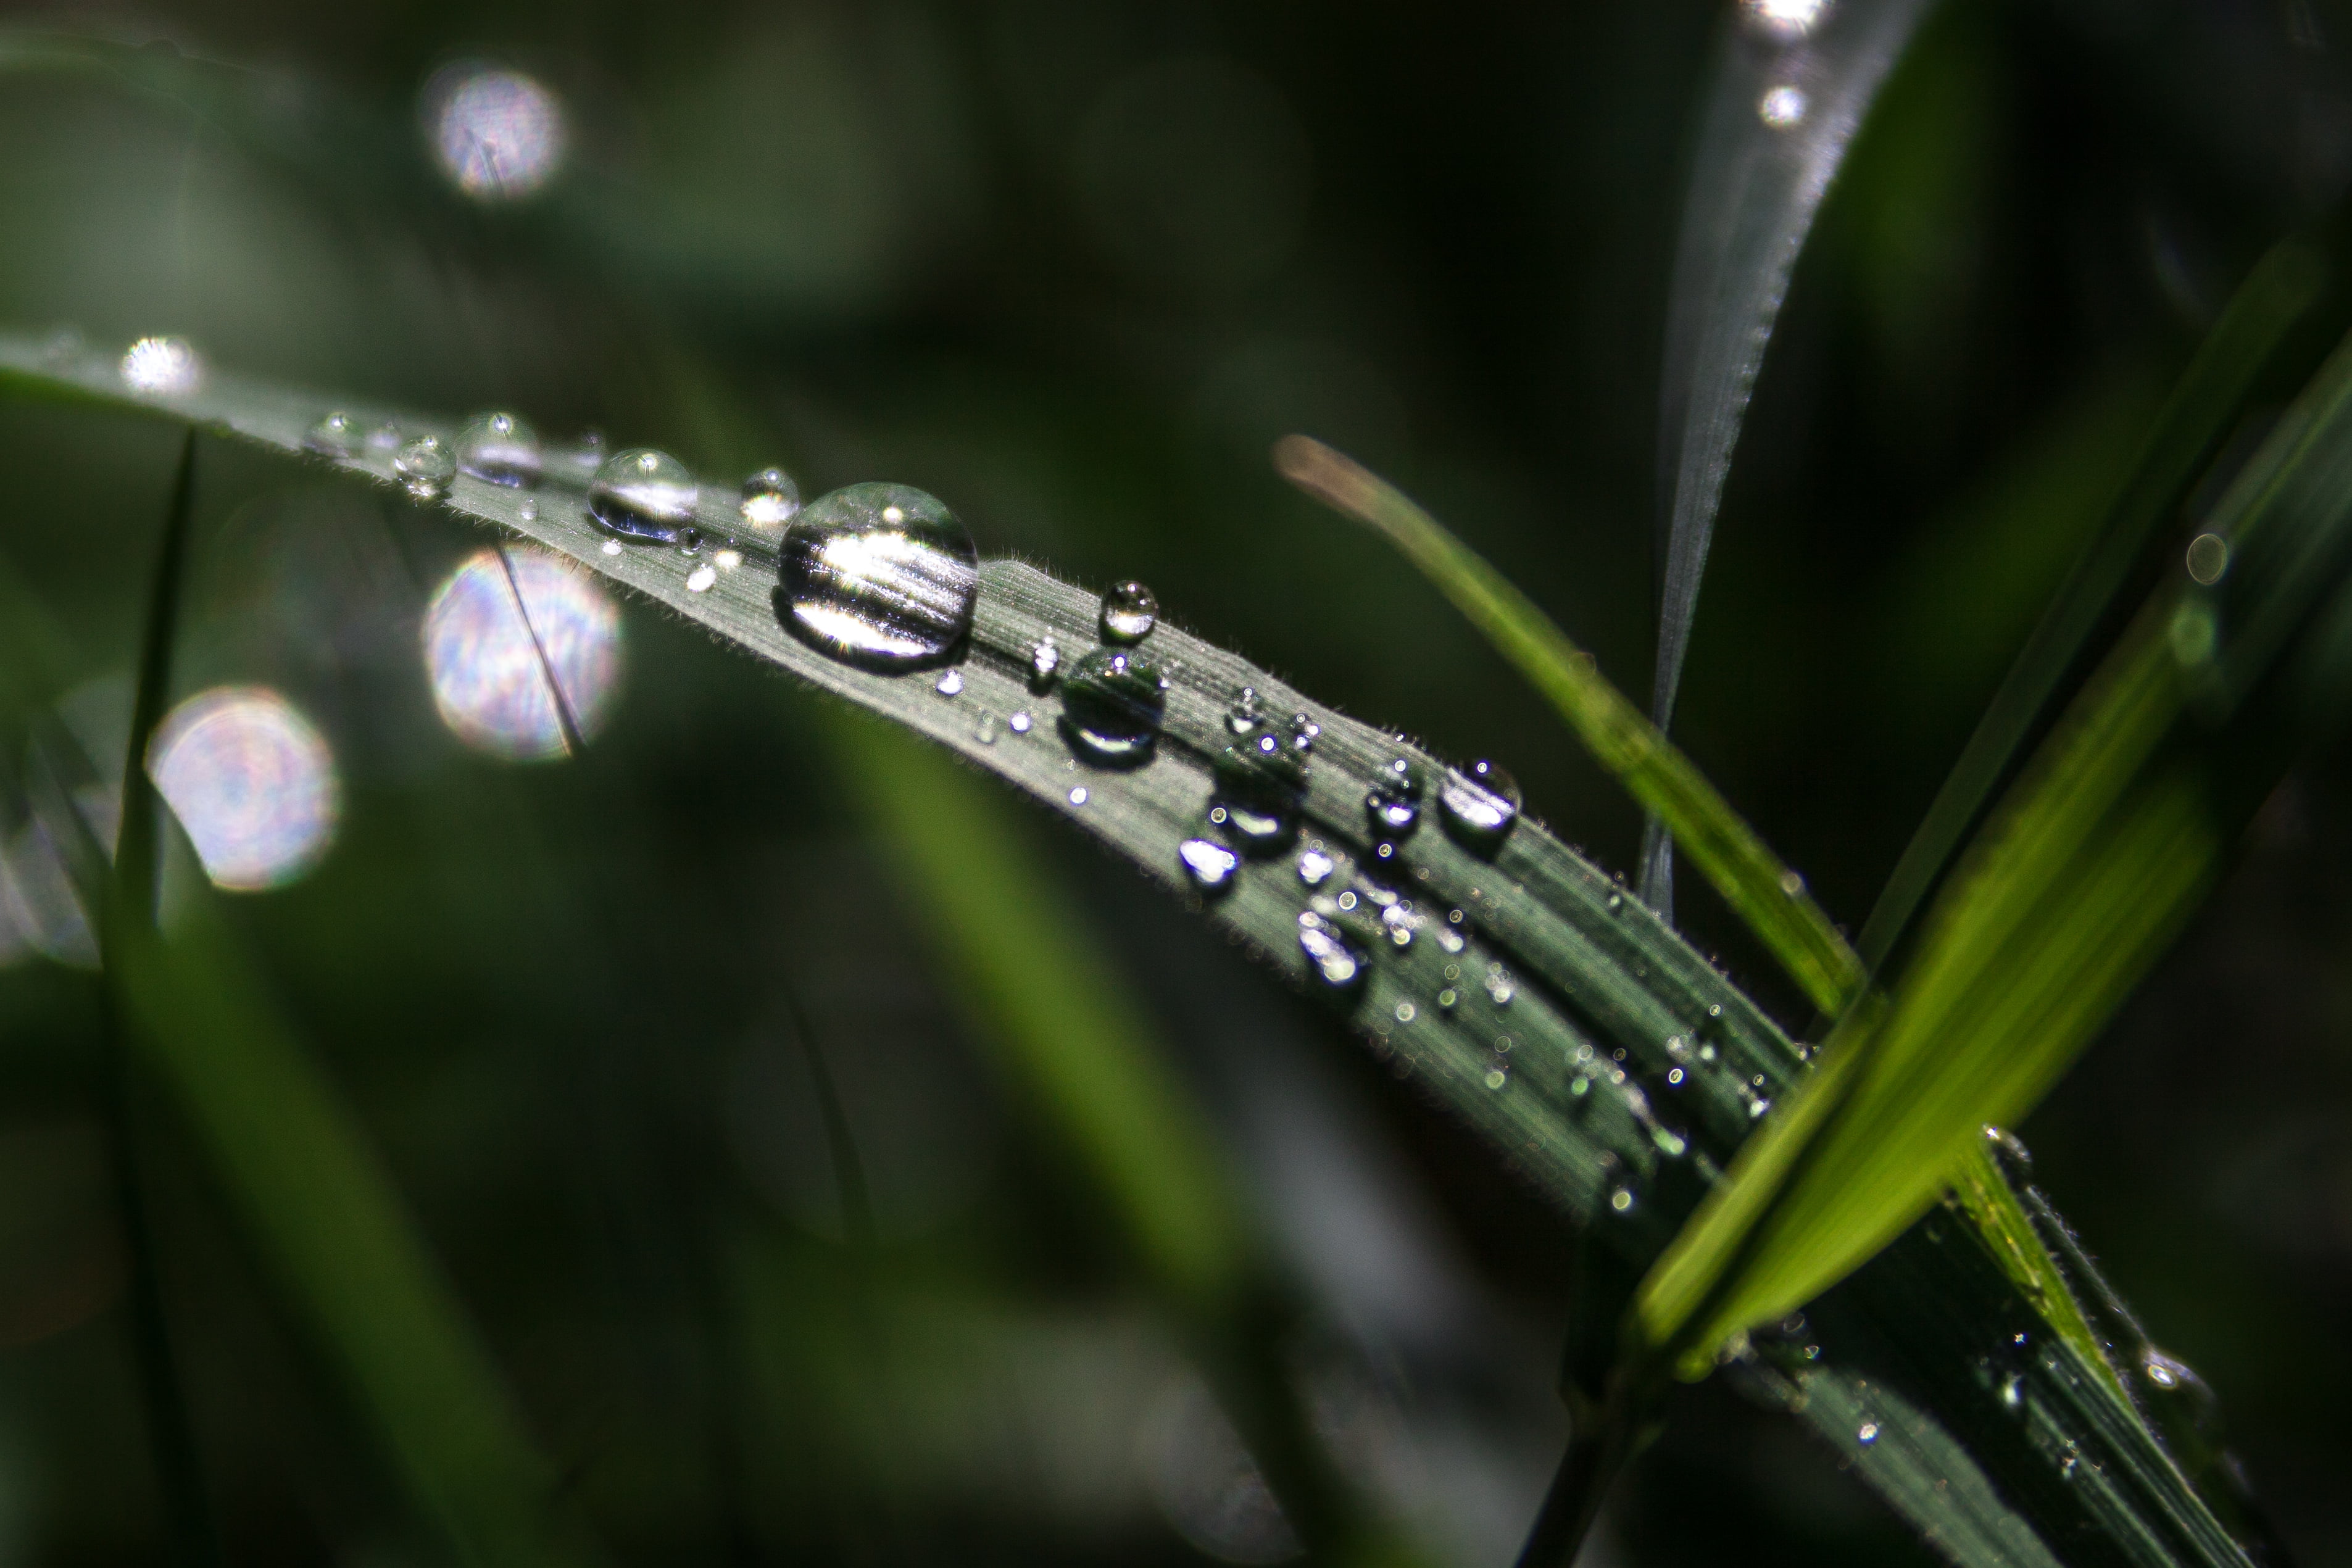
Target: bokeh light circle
<point x="500" y="135"/>
<point x="489" y="664"/>
<point x="252" y="781"/>
<point x="162" y="367"/>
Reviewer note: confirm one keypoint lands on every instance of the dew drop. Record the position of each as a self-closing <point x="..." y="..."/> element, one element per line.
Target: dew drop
<point x="1394" y="804"/>
<point x="1866" y="1434"/>
<point x="699" y="580"/>
<point x="1336" y="962"/>
<point x="770" y="500"/>
<point x="1620" y="1198"/>
<point x="1019" y="722"/>
<point x="1260" y="784"/>
<point x="878" y="574"/>
<point x="500" y="449"/>
<point x="587" y="454"/>
<point x="426" y="466"/>
<point x="1045" y="663"/>
<point x="951" y="683"/>
<point x="1129" y="612"/>
<point x="1448" y="937"/>
<point x="1448" y="1000"/>
<point x="1111" y="707"/>
<point x="1499" y="987"/>
<point x="1246" y="716"/>
<point x="2209" y="558"/>
<point x="1479" y="804"/>
<point x="1497" y="1078"/>
<point x="1406" y="1012"/>
<point x="1314" y="867"/>
<point x="336" y="435"/>
<point x="612" y="546"/>
<point x="162" y="367"/>
<point x="384" y="438"/>
<point x="644" y="495"/>
<point x="1209" y="863"/>
<point x="983" y="729"/>
<point x="1078" y="796"/>
<point x="528" y="510"/>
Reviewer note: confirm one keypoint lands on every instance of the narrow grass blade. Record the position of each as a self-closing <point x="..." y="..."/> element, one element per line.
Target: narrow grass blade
<point x="1768" y="896"/>
<point x="1790" y="87"/>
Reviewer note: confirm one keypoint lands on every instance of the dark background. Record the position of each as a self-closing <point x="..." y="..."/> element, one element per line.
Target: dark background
<point x="1072" y="266"/>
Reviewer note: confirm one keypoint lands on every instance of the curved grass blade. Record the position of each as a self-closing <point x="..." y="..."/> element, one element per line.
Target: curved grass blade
<point x="1603" y="1057"/>
<point x="1790" y="87"/>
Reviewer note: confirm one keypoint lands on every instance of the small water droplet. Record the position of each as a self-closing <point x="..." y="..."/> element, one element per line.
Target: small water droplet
<point x="1111" y="707"/>
<point x="1337" y="961"/>
<point x="499" y="449"/>
<point x="1078" y="796"/>
<point x="1304" y="733"/>
<point x="425" y="465"/>
<point x="1479" y="804"/>
<point x="1791" y="885"/>
<point x="2209" y="558"/>
<point x="2013" y="1393"/>
<point x="1259" y="788"/>
<point x="1210" y="864"/>
<point x="1406" y="1012"/>
<point x="1448" y="938"/>
<point x="1045" y="663"/>
<point x="1499" y="987"/>
<point x="1129" y="612"/>
<point x="1394" y="804"/>
<point x="612" y="546"/>
<point x="984" y="730"/>
<point x="528" y="510"/>
<point x="770" y="500"/>
<point x="336" y="435"/>
<point x="2072" y="1462"/>
<point x="587" y="454"/>
<point x="644" y="495"/>
<point x="1019" y="722"/>
<point x="878" y="574"/>
<point x="699" y="580"/>
<point x="162" y="367"/>
<point x="1246" y="716"/>
<point x="1783" y="107"/>
<point x="1314" y="867"/>
<point x="1620" y="1198"/>
<point x="1866" y="1434"/>
<point x="951" y="683"/>
<point x="1449" y="998"/>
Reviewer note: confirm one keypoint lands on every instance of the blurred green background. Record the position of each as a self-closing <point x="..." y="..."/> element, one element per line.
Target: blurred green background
<point x="1072" y="266"/>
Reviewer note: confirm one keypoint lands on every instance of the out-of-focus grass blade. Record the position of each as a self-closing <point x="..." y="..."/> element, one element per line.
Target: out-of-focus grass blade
<point x="1764" y="893"/>
<point x="2274" y="318"/>
<point x="1790" y="87"/>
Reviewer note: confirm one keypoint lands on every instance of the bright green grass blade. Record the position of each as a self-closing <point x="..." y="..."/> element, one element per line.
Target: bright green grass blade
<point x="1768" y="896"/>
<point x="1537" y="946"/>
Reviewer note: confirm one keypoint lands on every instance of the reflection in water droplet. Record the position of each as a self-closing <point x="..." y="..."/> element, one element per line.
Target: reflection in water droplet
<point x="252" y="781"/>
<point x="1394" y="804"/>
<point x="384" y="438"/>
<point x="1129" y="610"/>
<point x="336" y="435"/>
<point x="1782" y="107"/>
<point x="1111" y="706"/>
<point x="1209" y="863"/>
<point x="771" y="499"/>
<point x="2209" y="558"/>
<point x="484" y="656"/>
<point x="500" y="135"/>
<point x="699" y="580"/>
<point x="951" y="683"/>
<point x="984" y="730"/>
<point x="878" y="574"/>
<point x="1499" y="989"/>
<point x="1866" y="1434"/>
<point x="1784" y="20"/>
<point x="500" y="449"/>
<point x="645" y="495"/>
<point x="426" y="466"/>
<point x="162" y="367"/>
<point x="1338" y="962"/>
<point x="1045" y="663"/>
<point x="1478" y="805"/>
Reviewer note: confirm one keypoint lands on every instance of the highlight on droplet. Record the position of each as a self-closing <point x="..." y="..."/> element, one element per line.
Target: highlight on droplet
<point x="493" y="638"/>
<point x="500" y="135"/>
<point x="1784" y="20"/>
<point x="162" y="367"/>
<point x="1782" y="108"/>
<point x="253" y="782"/>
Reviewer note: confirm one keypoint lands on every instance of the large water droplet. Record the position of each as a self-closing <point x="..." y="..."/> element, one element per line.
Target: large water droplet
<point x="1260" y="786"/>
<point x="425" y="465"/>
<point x="1336" y="962"/>
<point x="1129" y="612"/>
<point x="1394" y="804"/>
<point x="1209" y="863"/>
<point x="771" y="499"/>
<point x="336" y="435"/>
<point x="500" y="449"/>
<point x="1111" y="706"/>
<point x="1479" y="804"/>
<point x="162" y="367"/>
<point x="645" y="495"/>
<point x="878" y="574"/>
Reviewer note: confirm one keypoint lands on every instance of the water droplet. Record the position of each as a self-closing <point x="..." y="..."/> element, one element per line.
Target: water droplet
<point x="1019" y="722"/>
<point x="1304" y="733"/>
<point x="644" y="495"/>
<point x="879" y="574"/>
<point x="1129" y="612"/>
<point x="528" y="510"/>
<point x="951" y="683"/>
<point x="500" y="135"/>
<point x="770" y="500"/>
<point x="425" y="465"/>
<point x="1791" y="885"/>
<point x="1111" y="706"/>
<point x="1782" y="107"/>
<point x="699" y="580"/>
<point x="1337" y="961"/>
<point x="1499" y="987"/>
<point x="162" y="367"/>
<point x="1246" y="716"/>
<point x="1497" y="1078"/>
<point x="1260" y="786"/>
<point x="384" y="438"/>
<point x="336" y="435"/>
<point x="1078" y="796"/>
<point x="587" y="454"/>
<point x="1314" y="867"/>
<point x="1866" y="1434"/>
<point x="1045" y="663"/>
<point x="1479" y="804"/>
<point x="2209" y="558"/>
<point x="1783" y="21"/>
<point x="611" y="546"/>
<point x="1209" y="863"/>
<point x="726" y="559"/>
<point x="1394" y="804"/>
<point x="1620" y="1198"/>
<point x="1449" y="998"/>
<point x="1448" y="938"/>
<point x="985" y="729"/>
<point x="500" y="449"/>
